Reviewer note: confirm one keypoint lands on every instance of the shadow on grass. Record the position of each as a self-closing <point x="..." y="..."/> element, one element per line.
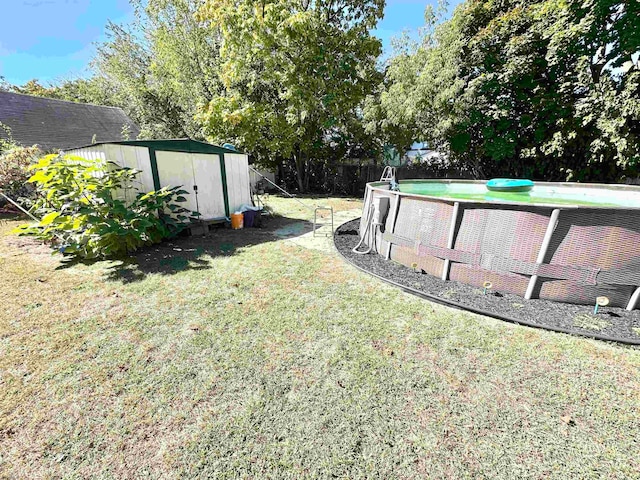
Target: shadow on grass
<point x="8" y="216"/>
<point x="194" y="252"/>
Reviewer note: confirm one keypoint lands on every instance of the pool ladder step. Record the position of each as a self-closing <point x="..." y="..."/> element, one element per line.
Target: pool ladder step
<point x="315" y="218"/>
<point x="388" y="174"/>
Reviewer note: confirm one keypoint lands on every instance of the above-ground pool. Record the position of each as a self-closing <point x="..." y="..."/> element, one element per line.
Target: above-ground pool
<point x="564" y="242"/>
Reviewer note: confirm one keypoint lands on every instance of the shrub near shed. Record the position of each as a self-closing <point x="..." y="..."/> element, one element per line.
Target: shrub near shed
<point x="14" y="163"/>
<point x="83" y="216"/>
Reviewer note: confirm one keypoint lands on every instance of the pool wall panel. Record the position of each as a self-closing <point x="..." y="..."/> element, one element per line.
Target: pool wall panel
<point x="498" y="234"/>
<point x="500" y="243"/>
<point x="607" y="240"/>
<point x="429" y="227"/>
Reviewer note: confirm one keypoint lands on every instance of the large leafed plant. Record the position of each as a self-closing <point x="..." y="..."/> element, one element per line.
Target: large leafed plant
<point x="92" y="209"/>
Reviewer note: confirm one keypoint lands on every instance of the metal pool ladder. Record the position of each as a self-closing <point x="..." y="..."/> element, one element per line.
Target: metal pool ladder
<point x="315" y="218"/>
<point x="388" y="174"/>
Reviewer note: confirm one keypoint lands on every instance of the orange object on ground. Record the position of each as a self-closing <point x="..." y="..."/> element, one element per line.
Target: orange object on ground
<point x="237" y="221"/>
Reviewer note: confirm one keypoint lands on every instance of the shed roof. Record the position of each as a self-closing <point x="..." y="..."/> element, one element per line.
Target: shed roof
<point x="54" y="124"/>
<point x="169" y="145"/>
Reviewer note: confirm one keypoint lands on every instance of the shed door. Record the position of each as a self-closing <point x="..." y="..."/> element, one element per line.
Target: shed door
<point x="189" y="169"/>
<point x="206" y="169"/>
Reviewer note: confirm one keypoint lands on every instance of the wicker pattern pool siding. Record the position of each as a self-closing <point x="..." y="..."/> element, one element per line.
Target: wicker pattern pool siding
<point x="591" y="251"/>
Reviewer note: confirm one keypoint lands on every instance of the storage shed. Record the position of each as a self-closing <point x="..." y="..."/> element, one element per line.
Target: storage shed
<point x="216" y="178"/>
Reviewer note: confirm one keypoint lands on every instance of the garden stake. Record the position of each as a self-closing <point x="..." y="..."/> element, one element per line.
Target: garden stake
<point x="600" y="302"/>
<point x="28" y="213"/>
<point x="18" y="206"/>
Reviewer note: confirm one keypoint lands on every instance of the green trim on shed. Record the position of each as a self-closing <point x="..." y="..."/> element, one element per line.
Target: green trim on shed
<point x="168" y="145"/>
<point x="225" y="192"/>
<point x="154" y="168"/>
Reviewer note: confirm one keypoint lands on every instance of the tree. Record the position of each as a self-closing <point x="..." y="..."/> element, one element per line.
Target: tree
<point x="32" y="87"/>
<point x="546" y="89"/>
<point x="95" y="90"/>
<point x="417" y="99"/>
<point x="294" y="73"/>
<point x="595" y="47"/>
<point x="91" y="90"/>
<point x="162" y="67"/>
<point x="545" y="98"/>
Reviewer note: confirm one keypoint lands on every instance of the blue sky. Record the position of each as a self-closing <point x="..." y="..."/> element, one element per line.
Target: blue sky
<point x="54" y="39"/>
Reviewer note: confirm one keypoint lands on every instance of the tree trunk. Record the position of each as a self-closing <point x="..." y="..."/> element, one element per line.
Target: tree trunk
<point x="307" y="176"/>
<point x="300" y="171"/>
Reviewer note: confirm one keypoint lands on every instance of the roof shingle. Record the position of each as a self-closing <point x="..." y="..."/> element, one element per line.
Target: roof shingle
<point x="58" y="124"/>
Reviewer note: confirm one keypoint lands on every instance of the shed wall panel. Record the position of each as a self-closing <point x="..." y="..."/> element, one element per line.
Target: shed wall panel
<point x="90" y="153"/>
<point x="136" y="158"/>
<point x="237" y="167"/>
<point x="144" y="163"/>
<point x="114" y="154"/>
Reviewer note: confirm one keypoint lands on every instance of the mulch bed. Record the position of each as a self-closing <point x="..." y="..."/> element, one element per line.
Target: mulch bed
<point x="614" y="323"/>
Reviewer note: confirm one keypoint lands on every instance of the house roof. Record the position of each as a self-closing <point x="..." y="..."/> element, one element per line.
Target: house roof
<point x="57" y="124"/>
<point x="168" y="145"/>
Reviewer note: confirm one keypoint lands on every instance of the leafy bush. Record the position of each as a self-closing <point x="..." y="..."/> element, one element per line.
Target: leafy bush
<point x="85" y="211"/>
<point x="14" y="161"/>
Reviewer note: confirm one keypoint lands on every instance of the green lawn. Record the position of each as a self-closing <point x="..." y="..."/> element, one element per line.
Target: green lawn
<point x="242" y="355"/>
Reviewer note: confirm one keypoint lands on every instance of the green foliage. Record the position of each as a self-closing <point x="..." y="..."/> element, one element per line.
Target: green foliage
<point x="294" y="76"/>
<point x="93" y="90"/>
<point x="4" y="85"/>
<point x="161" y="67"/>
<point x="545" y="89"/>
<point x="126" y="132"/>
<point x="96" y="90"/>
<point x="6" y="138"/>
<point x="33" y="87"/>
<point x="87" y="210"/>
<point x="416" y="100"/>
<point x="14" y="162"/>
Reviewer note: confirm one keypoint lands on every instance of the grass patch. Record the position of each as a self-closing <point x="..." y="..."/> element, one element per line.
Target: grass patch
<point x="269" y="360"/>
<point x="590" y="322"/>
<point x="302" y="207"/>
